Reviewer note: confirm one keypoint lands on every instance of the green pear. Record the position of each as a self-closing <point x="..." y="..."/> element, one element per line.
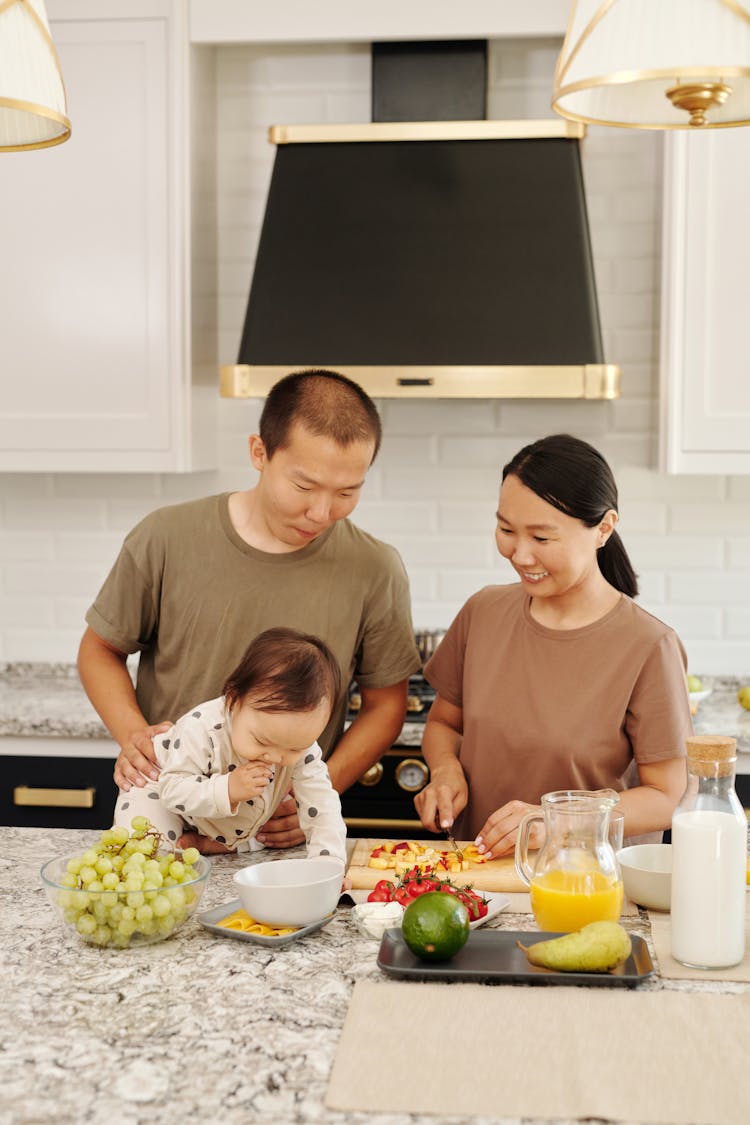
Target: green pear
<point x="743" y="697"/>
<point x="596" y="948"/>
<point x="695" y="683"/>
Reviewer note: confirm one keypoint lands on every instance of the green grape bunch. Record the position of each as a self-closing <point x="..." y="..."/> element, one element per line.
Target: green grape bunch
<point x="126" y="889"/>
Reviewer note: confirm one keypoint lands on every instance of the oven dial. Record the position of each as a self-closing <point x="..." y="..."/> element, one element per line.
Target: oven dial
<point x="411" y="775"/>
<point x="373" y="775"/>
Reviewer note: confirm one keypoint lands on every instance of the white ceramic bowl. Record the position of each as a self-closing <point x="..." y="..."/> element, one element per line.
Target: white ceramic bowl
<point x="290" y="892"/>
<point x="647" y="874"/>
<point x="697" y="697"/>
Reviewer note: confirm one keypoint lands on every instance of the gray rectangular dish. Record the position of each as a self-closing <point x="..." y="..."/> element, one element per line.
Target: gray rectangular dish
<point x="211" y="918"/>
<point x="493" y="956"/>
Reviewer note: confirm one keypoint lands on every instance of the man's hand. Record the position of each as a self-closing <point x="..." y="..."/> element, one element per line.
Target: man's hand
<point x="282" y="830"/>
<point x="136" y="763"/>
<point x="249" y="780"/>
<point x="204" y="844"/>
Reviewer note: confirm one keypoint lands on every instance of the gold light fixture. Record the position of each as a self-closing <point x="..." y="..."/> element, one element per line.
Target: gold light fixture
<point x="655" y="64"/>
<point x="33" y="110"/>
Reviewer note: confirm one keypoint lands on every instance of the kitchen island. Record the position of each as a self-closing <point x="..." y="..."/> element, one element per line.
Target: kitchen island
<point x="198" y="1026"/>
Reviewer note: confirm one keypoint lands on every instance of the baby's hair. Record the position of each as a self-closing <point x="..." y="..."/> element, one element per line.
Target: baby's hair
<point x="284" y="670"/>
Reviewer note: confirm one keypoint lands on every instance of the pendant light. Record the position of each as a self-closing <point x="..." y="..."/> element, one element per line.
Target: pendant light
<point x="33" y="111"/>
<point x="655" y="64"/>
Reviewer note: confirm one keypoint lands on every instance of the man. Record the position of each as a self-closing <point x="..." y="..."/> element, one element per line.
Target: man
<point x="195" y="582"/>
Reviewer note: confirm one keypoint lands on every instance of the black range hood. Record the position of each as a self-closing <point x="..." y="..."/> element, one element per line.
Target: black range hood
<point x="442" y="258"/>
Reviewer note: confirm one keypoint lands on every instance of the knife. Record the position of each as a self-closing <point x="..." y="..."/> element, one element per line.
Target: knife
<point x="451" y="841"/>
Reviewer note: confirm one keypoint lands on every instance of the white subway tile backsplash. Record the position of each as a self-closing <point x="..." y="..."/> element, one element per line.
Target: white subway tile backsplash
<point x="32" y="611"/>
<point x="723" y="657"/>
<point x="455" y="586"/>
<point x="467" y="516"/>
<point x="51" y="579"/>
<point x="738" y="552"/>
<point x="468" y="452"/>
<point x="634" y="204"/>
<point x="738" y="488"/>
<point x="699" y="622"/>
<point x="433" y="490"/>
<point x="41" y="645"/>
<point x="634" y="345"/>
<point x="74" y="486"/>
<point x="431" y="416"/>
<point x="530" y="420"/>
<point x="638" y="380"/>
<point x="638" y="480"/>
<point x="637" y="275"/>
<point x="418" y="483"/>
<point x="70" y="613"/>
<point x="674" y="552"/>
<point x="97" y="549"/>
<point x="634" y="414"/>
<point x="54" y="513"/>
<point x="387" y="521"/>
<point x="736" y="621"/>
<point x="729" y="518"/>
<point x="408" y="450"/>
<point x="422" y="552"/>
<point x="639" y="516"/>
<point x="20" y="546"/>
<point x="652" y="588"/>
<point x="702" y="588"/>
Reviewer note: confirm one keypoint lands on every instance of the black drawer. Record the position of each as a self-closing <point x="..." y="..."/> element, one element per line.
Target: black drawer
<point x="83" y="792"/>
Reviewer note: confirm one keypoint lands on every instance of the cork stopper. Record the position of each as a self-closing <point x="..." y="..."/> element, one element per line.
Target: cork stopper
<point x="711" y="755"/>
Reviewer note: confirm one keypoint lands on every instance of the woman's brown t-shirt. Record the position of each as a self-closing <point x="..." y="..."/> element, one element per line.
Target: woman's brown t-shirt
<point x="547" y="709"/>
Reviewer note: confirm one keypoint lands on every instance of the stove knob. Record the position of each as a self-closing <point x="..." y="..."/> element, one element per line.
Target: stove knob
<point x="412" y="775"/>
<point x="373" y="775"/>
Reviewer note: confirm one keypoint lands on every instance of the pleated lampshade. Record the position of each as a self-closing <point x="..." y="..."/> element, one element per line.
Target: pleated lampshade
<point x="655" y="64"/>
<point x="33" y="109"/>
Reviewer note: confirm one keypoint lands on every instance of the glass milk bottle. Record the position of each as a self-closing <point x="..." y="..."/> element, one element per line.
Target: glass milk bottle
<point x="709" y="834"/>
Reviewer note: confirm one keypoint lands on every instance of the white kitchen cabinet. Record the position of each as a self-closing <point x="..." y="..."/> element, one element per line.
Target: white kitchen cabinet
<point x="100" y="369"/>
<point x="705" y="327"/>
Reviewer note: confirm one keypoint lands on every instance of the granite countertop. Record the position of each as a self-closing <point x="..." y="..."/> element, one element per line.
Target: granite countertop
<point x="198" y="1026"/>
<point x="47" y="700"/>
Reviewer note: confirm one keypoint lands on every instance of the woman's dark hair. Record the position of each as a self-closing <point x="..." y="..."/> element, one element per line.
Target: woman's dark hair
<point x="573" y="477"/>
<point x="283" y="670"/>
<point x="325" y="403"/>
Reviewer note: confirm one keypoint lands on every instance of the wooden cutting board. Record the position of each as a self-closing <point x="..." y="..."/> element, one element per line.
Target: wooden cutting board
<point x="495" y="875"/>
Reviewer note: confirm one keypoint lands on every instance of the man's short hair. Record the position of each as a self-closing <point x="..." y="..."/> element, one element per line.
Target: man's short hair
<point x="326" y="404"/>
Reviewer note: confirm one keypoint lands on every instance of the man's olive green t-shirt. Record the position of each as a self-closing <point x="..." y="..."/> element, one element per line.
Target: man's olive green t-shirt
<point x="546" y="709"/>
<point x="189" y="594"/>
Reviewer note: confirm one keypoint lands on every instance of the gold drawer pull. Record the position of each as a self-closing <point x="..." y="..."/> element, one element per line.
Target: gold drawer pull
<point x="54" y="798"/>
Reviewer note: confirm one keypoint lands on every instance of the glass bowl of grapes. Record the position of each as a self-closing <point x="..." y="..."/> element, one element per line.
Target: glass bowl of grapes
<point x="127" y="890"/>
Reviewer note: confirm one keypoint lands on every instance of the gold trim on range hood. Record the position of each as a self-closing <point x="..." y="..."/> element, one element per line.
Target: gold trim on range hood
<point x="426" y="131"/>
<point x="587" y="381"/>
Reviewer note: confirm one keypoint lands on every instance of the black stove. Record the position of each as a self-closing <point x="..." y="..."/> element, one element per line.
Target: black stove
<point x="420" y="698"/>
<point x="381" y="803"/>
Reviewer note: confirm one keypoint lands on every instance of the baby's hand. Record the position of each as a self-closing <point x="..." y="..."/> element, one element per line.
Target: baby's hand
<point x="249" y="780"/>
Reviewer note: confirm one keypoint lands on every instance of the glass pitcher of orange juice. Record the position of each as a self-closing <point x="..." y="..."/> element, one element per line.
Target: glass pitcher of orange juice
<point x="576" y="877"/>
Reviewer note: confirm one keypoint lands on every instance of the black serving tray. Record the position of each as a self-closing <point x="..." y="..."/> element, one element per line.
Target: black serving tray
<point x="492" y="956"/>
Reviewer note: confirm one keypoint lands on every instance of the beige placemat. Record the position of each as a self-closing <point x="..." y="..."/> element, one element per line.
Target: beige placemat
<point x="520" y="903"/>
<point x="543" y="1052"/>
<point x="661" y="933"/>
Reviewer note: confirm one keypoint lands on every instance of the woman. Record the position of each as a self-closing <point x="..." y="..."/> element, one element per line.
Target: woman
<point x="560" y="681"/>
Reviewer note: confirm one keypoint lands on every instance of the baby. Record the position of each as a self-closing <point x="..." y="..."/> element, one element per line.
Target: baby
<point x="228" y="763"/>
